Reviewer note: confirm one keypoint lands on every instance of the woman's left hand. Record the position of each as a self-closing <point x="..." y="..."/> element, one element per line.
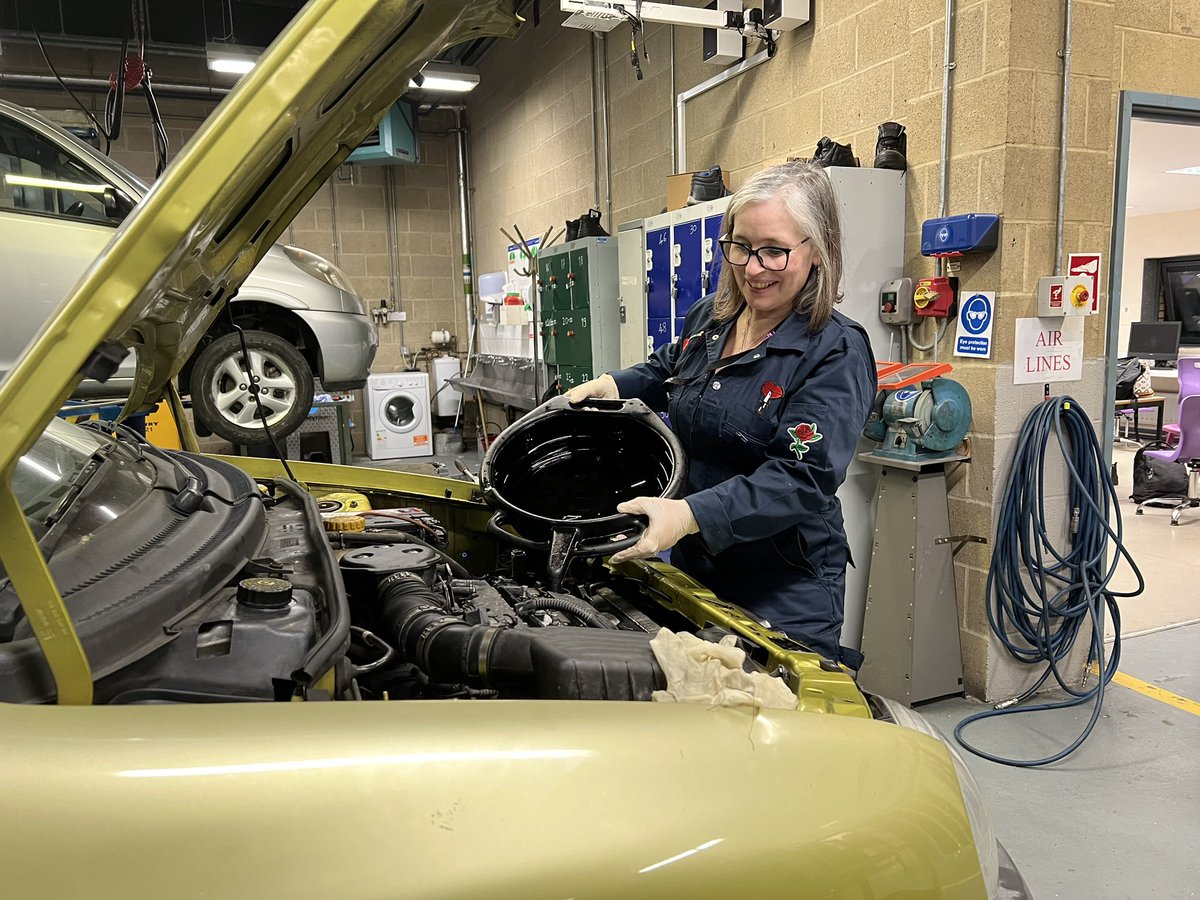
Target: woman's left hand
<point x="670" y="520"/>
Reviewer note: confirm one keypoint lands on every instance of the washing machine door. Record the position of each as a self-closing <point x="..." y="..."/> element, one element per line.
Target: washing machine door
<point x="400" y="412"/>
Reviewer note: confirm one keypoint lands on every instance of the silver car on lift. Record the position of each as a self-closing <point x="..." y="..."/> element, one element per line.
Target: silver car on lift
<point x="61" y="201"/>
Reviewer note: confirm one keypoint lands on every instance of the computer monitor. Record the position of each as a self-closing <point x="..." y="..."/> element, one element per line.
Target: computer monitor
<point x="1158" y="341"/>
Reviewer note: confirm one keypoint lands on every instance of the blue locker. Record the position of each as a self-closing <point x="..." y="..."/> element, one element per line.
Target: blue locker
<point x="688" y="250"/>
<point x="713" y="259"/>
<point x="659" y="331"/>
<point x="658" y="274"/>
<point x="679" y="327"/>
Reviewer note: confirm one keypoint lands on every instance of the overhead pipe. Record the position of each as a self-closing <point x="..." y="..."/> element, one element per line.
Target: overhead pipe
<point x="100" y="86"/>
<point x="1065" y="53"/>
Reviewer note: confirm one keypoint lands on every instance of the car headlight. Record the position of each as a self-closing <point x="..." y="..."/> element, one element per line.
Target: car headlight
<point x="320" y="268"/>
<point x="977" y="814"/>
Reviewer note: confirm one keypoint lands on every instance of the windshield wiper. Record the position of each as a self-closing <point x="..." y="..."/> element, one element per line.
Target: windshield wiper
<point x="76" y="485"/>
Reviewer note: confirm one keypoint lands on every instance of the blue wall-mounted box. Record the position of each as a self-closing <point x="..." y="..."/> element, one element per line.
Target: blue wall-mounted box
<point x="956" y="235"/>
<point x="394" y="141"/>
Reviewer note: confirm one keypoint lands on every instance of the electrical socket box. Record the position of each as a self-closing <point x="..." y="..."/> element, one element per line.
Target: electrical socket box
<point x="1064" y="295"/>
<point x="723" y="46"/>
<point x="784" y="15"/>
<point x="896" y="302"/>
<point x="936" y="297"/>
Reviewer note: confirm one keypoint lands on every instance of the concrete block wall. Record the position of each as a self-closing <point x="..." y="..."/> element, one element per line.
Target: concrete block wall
<point x="855" y="65"/>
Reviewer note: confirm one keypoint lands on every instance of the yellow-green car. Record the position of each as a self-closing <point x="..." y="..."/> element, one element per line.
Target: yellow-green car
<point x="212" y="690"/>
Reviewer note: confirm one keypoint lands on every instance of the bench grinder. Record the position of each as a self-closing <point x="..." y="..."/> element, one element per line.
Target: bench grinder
<point x="910" y="627"/>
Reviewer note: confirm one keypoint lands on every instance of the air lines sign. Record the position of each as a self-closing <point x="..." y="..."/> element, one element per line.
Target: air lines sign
<point x="1048" y="350"/>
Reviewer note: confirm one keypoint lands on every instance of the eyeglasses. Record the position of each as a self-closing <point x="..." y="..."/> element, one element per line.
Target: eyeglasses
<point x="774" y="259"/>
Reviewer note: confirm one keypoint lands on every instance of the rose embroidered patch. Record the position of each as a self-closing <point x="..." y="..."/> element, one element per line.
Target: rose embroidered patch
<point x="802" y="435"/>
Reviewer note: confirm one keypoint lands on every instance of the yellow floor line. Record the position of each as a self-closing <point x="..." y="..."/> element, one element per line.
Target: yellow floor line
<point x="1154" y="692"/>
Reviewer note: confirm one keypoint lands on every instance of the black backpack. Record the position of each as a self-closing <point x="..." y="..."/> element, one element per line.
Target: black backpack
<point x="1153" y="478"/>
<point x="1129" y="368"/>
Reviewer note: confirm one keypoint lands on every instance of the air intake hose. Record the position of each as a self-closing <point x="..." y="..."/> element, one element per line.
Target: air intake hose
<point x="568" y="663"/>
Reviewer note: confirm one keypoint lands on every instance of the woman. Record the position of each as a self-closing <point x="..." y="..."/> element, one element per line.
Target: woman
<point x="768" y="391"/>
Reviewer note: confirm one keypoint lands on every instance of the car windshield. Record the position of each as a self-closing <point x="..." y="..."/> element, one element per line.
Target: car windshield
<point x="44" y="474"/>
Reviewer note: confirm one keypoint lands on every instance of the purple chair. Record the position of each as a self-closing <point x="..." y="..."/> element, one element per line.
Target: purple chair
<point x="1189" y="384"/>
<point x="1187" y="450"/>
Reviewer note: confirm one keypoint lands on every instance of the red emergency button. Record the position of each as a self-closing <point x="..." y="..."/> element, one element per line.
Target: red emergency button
<point x="889" y="307"/>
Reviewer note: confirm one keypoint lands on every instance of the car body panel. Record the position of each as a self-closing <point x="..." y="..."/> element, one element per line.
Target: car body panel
<point x="46" y="254"/>
<point x="345" y="338"/>
<point x="577" y="800"/>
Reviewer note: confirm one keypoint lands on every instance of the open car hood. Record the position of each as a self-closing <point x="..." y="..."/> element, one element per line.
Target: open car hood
<point x="317" y="91"/>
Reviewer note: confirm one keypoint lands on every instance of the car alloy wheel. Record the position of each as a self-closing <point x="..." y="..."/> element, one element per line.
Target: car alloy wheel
<point x="223" y="394"/>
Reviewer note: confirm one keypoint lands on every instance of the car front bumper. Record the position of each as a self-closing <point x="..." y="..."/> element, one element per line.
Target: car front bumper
<point x="347" y="344"/>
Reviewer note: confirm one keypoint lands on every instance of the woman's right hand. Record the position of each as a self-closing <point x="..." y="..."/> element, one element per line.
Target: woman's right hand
<point x="602" y="388"/>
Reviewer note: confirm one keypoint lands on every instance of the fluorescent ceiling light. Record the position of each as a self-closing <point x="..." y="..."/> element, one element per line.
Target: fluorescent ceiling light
<point x="1190" y="170"/>
<point x="53" y="184"/>
<point x="443" y="77"/>
<point x="230" y="59"/>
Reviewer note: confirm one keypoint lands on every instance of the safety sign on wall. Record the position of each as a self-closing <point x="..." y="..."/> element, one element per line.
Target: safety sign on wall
<point x="1087" y="265"/>
<point x="975" y="319"/>
<point x="1049" y="350"/>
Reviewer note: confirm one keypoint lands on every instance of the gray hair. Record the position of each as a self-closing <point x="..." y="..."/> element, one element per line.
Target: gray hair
<point x="808" y="197"/>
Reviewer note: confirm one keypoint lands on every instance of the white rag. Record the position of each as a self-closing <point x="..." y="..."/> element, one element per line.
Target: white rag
<point x="699" y="671"/>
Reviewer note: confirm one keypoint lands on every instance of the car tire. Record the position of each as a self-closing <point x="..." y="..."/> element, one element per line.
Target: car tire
<point x="221" y="396"/>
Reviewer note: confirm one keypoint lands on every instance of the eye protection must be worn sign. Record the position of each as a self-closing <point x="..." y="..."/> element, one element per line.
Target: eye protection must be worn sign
<point x="975" y="319"/>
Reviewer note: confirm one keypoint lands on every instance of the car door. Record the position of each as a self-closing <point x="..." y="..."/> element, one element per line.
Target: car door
<point x="56" y="216"/>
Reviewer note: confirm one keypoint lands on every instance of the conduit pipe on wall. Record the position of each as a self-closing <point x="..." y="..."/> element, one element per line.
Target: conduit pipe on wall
<point x="601" y="145"/>
<point x="704" y="87"/>
<point x="464" y="218"/>
<point x="1065" y="53"/>
<point x="948" y="66"/>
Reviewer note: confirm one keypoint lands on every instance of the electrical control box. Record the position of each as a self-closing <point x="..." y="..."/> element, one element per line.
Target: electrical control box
<point x="896" y="302"/>
<point x="579" y="309"/>
<point x="1065" y="295"/>
<point x="936" y="297"/>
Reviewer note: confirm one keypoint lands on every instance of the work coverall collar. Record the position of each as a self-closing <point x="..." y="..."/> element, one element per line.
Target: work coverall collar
<point x="792" y="334"/>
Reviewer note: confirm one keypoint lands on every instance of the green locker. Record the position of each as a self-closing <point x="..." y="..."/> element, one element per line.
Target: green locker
<point x="579" y="309"/>
<point x="578" y="279"/>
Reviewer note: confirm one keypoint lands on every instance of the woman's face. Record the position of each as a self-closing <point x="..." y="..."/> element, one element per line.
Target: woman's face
<point x="768" y="224"/>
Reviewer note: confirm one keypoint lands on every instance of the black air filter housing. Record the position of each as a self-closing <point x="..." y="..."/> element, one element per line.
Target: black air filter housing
<point x="568" y="466"/>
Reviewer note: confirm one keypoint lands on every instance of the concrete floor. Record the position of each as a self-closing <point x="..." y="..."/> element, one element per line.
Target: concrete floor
<point x="1120" y="818"/>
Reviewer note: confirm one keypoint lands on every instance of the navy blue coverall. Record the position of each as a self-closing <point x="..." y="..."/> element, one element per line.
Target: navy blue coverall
<point x="768" y="437"/>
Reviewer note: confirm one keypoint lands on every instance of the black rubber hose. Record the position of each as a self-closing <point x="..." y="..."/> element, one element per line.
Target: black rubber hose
<point x="442" y="645"/>
<point x="568" y="606"/>
<point x="334" y="643"/>
<point x="363" y="539"/>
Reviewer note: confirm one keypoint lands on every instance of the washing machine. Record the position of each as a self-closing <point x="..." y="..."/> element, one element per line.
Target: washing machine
<point x="398" y="421"/>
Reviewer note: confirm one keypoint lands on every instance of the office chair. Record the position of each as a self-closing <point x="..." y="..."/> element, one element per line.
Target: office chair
<point x="1187" y="451"/>
<point x="1189" y="386"/>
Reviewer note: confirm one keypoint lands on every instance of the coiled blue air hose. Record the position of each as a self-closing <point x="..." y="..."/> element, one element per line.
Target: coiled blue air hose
<point x="1043" y="594"/>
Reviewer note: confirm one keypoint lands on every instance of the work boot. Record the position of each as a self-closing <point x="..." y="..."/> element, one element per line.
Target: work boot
<point x="707" y="185"/>
<point x="572" y="229"/>
<point x="831" y="153"/>
<point x="892" y="147"/>
<point x="589" y="225"/>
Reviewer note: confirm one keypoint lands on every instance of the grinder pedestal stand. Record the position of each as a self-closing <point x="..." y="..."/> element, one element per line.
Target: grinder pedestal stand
<point x="910" y="627"/>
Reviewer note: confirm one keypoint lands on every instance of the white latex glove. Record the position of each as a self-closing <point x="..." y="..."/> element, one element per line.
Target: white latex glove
<point x="670" y="520"/>
<point x="702" y="672"/>
<point x="602" y="388"/>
